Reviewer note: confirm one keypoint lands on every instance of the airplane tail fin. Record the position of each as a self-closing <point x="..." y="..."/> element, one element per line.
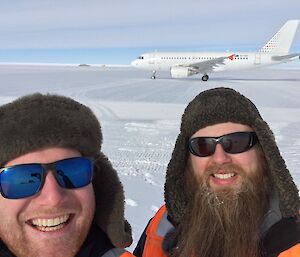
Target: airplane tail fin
<point x="282" y="40"/>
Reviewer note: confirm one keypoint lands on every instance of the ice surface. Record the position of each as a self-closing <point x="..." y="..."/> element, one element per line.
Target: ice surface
<point x="140" y="117"/>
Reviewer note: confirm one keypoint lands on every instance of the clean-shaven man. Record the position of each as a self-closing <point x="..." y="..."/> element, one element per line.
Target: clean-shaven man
<point x="60" y="195"/>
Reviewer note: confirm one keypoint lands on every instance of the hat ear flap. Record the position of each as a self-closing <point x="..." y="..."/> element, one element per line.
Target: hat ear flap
<point x="176" y="193"/>
<point x="109" y="195"/>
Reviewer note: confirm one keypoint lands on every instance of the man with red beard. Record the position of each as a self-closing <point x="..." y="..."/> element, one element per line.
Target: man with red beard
<point x="228" y="192"/>
<point x="60" y="196"/>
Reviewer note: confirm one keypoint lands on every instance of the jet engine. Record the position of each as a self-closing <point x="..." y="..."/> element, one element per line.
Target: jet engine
<point x="181" y="72"/>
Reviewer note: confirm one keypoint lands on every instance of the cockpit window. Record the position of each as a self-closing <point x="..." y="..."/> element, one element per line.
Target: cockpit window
<point x="141" y="57"/>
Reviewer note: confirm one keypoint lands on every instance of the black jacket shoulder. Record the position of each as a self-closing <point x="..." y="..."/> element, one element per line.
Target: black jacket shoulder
<point x="282" y="236"/>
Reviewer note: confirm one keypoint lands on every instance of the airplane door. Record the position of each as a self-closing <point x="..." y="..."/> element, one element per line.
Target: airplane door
<point x="257" y="59"/>
<point x="152" y="59"/>
<point x="155" y="61"/>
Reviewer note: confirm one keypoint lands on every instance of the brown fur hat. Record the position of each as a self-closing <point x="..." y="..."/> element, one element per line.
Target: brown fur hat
<point x="221" y="105"/>
<point x="37" y="121"/>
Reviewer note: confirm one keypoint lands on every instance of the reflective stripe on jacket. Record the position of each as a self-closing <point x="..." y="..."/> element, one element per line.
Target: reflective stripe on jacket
<point x="117" y="252"/>
<point x="155" y="233"/>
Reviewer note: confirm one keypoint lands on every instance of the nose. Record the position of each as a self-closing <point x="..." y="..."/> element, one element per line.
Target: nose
<point x="134" y="63"/>
<point x="220" y="156"/>
<point x="51" y="193"/>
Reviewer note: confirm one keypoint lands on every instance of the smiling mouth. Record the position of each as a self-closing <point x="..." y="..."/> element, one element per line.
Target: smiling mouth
<point x="224" y="176"/>
<point x="49" y="225"/>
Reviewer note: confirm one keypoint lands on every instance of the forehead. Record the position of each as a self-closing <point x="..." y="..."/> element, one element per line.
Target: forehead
<point x="221" y="129"/>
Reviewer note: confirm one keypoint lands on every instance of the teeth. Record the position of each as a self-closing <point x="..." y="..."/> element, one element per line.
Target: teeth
<point x="50" y="224"/>
<point x="223" y="176"/>
<point x="46" y="229"/>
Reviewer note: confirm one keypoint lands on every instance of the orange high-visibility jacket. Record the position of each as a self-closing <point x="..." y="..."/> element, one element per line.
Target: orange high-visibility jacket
<point x="155" y="234"/>
<point x="282" y="239"/>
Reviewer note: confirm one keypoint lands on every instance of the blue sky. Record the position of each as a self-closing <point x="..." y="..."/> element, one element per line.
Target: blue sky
<point x="116" y="31"/>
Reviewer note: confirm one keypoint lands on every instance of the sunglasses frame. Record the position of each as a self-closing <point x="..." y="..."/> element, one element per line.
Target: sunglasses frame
<point x="45" y="169"/>
<point x="218" y="140"/>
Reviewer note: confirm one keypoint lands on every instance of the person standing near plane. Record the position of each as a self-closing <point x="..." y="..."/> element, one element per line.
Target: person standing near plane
<point x="60" y="196"/>
<point x="228" y="192"/>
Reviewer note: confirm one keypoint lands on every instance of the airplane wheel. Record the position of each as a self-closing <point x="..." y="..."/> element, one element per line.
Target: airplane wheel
<point x="153" y="74"/>
<point x="205" y="77"/>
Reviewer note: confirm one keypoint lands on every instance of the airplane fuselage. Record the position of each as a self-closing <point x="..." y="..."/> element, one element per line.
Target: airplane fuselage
<point x="164" y="61"/>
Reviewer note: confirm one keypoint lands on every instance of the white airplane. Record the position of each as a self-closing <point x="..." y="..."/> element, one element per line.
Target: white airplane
<point x="184" y="64"/>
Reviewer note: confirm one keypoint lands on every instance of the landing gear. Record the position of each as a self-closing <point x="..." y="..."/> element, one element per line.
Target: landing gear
<point x="153" y="74"/>
<point x="205" y="77"/>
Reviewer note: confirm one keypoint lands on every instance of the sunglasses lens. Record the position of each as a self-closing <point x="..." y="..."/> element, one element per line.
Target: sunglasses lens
<point x="202" y="146"/>
<point x="74" y="173"/>
<point x="232" y="143"/>
<point x="21" y="180"/>
<point x="237" y="142"/>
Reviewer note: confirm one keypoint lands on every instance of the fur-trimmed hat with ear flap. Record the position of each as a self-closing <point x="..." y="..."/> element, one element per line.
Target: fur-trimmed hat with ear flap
<point x="38" y="121"/>
<point x="221" y="105"/>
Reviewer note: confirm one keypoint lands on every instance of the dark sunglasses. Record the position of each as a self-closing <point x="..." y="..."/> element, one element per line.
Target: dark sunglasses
<point x="233" y="143"/>
<point x="25" y="180"/>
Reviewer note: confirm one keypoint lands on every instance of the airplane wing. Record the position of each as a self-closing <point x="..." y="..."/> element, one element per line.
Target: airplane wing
<point x="208" y="65"/>
<point x="287" y="57"/>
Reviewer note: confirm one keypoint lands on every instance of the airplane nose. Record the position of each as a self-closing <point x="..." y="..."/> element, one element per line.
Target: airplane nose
<point x="134" y="63"/>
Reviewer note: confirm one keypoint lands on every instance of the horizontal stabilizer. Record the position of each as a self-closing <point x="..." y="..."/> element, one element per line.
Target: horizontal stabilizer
<point x="286" y="57"/>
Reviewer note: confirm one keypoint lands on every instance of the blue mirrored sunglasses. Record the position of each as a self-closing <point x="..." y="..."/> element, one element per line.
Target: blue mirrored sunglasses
<point x="25" y="180"/>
